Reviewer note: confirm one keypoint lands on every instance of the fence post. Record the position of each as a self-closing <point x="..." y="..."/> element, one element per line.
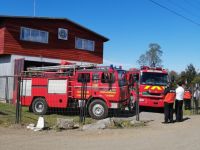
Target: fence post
<point x="6" y="90"/>
<point x="83" y="99"/>
<point x="18" y="105"/>
<point x="137" y="102"/>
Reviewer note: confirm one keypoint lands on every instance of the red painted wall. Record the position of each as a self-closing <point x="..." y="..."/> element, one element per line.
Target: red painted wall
<point x="56" y="48"/>
<point x="1" y="40"/>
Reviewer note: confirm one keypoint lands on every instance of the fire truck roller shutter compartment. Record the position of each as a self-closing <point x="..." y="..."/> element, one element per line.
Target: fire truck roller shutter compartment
<point x="57" y="86"/>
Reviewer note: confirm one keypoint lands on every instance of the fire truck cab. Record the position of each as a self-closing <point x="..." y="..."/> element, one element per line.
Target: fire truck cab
<point x="102" y="88"/>
<point x="152" y="82"/>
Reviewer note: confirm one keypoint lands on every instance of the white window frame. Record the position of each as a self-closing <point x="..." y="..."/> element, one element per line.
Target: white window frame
<point x="84" y="44"/>
<point x="42" y="37"/>
<point x="62" y="38"/>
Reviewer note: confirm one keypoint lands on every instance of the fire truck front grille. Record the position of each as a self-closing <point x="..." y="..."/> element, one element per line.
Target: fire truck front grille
<point x="152" y="94"/>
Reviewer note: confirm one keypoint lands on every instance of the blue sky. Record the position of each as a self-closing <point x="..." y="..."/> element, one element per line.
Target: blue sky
<point x="130" y="25"/>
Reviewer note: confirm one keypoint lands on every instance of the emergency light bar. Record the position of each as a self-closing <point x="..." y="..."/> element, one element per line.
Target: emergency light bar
<point x="152" y="68"/>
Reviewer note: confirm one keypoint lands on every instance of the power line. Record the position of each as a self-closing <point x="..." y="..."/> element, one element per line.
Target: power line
<point x="174" y="12"/>
<point x="183" y="8"/>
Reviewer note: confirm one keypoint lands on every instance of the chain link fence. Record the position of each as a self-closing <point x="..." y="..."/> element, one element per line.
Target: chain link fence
<point x="16" y="107"/>
<point x="7" y="108"/>
<point x="11" y="110"/>
<point x="195" y="106"/>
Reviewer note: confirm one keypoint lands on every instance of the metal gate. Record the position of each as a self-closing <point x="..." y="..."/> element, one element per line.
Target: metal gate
<point x="6" y="88"/>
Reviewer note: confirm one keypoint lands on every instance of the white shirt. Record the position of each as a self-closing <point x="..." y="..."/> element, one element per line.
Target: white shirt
<point x="197" y="94"/>
<point x="179" y="93"/>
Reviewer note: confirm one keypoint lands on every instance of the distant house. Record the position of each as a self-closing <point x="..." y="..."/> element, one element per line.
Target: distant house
<point x="42" y="41"/>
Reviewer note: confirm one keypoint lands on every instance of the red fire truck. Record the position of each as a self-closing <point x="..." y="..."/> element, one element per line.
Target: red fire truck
<point x="105" y="87"/>
<point x="152" y="82"/>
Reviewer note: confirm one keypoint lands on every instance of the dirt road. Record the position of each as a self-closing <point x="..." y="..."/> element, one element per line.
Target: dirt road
<point x="155" y="136"/>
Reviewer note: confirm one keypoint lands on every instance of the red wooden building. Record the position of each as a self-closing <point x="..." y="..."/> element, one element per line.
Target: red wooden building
<point x="41" y="41"/>
<point x="55" y="38"/>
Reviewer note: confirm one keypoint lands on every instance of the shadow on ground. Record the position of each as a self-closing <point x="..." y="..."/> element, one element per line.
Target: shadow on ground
<point x="112" y="113"/>
<point x="2" y="113"/>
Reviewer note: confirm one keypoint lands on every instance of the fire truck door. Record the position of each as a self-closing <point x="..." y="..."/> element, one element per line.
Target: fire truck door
<point x="107" y="85"/>
<point x="95" y="82"/>
<point x="83" y="81"/>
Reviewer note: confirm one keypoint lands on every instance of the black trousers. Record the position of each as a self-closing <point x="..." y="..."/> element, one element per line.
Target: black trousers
<point x="168" y="111"/>
<point x="187" y="104"/>
<point x="179" y="110"/>
<point x="196" y="103"/>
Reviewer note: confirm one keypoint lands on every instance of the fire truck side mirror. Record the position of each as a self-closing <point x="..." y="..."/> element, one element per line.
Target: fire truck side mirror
<point x="135" y="78"/>
<point x="132" y="79"/>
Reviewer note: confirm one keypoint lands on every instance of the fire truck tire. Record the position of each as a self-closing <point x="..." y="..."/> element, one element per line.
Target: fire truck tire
<point x="39" y="106"/>
<point x="98" y="109"/>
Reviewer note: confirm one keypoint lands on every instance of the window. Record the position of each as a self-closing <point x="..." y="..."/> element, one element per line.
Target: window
<point x="62" y="34"/>
<point x="84" y="44"/>
<point x="152" y="78"/>
<point x="133" y="78"/>
<point x="95" y="76"/>
<point x="107" y="77"/>
<point x="84" y="77"/>
<point x="122" y="77"/>
<point x="28" y="34"/>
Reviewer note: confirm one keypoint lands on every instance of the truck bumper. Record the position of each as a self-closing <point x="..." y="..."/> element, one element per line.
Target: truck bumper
<point x="151" y="103"/>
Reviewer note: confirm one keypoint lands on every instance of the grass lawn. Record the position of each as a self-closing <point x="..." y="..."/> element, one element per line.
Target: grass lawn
<point x="7" y="116"/>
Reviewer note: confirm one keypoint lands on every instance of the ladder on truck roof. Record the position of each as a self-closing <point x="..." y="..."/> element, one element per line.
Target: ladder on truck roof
<point x="61" y="67"/>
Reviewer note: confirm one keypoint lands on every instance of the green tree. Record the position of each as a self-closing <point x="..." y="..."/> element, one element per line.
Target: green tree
<point x="196" y="80"/>
<point x="188" y="75"/>
<point x="173" y="75"/>
<point x="152" y="57"/>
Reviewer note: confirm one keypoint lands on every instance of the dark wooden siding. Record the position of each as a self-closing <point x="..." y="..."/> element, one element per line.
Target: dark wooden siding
<point x="1" y="40"/>
<point x="60" y="49"/>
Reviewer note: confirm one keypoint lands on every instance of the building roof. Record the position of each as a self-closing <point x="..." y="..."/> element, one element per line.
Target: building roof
<point x="52" y="18"/>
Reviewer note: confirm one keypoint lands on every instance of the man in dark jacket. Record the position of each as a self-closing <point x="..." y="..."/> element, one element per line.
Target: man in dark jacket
<point x="168" y="103"/>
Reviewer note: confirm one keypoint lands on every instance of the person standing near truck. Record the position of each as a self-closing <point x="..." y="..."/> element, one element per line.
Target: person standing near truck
<point x="196" y="97"/>
<point x="179" y="102"/>
<point x="169" y="103"/>
<point x="187" y="99"/>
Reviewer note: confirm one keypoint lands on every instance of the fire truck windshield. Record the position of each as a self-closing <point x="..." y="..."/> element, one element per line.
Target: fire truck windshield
<point x="153" y="78"/>
<point x="122" y="77"/>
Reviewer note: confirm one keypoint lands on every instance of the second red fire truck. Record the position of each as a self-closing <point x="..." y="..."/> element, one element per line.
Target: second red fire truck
<point x="47" y="87"/>
<point x="152" y="82"/>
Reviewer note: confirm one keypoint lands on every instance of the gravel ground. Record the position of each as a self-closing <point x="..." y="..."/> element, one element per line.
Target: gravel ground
<point x="156" y="136"/>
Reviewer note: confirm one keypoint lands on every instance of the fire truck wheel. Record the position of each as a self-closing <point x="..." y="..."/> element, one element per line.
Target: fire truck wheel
<point x="39" y="106"/>
<point x="98" y="109"/>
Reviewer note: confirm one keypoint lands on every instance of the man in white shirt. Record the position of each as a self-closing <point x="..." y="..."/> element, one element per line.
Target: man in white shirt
<point x="179" y="102"/>
<point x="196" y="99"/>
